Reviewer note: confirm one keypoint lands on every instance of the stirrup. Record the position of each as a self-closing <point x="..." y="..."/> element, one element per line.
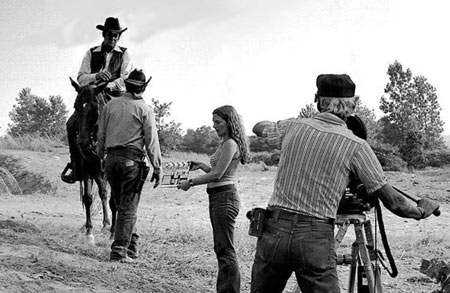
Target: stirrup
<point x="68" y="178"/>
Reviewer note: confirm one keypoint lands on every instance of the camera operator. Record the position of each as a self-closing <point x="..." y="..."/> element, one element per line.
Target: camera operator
<point x="317" y="156"/>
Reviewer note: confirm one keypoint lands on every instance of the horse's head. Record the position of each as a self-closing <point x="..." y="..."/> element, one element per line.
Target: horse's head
<point x="88" y="105"/>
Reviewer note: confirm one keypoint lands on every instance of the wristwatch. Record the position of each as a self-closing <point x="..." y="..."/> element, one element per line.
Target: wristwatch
<point x="191" y="183"/>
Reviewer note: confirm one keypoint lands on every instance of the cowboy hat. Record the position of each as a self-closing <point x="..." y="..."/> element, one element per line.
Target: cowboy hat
<point x="137" y="77"/>
<point x="113" y="25"/>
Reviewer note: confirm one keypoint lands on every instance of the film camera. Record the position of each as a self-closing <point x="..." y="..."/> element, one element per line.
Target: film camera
<point x="355" y="200"/>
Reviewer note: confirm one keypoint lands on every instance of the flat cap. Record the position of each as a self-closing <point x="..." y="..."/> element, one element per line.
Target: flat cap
<point x="335" y="85"/>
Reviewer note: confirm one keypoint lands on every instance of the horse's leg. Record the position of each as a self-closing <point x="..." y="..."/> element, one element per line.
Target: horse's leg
<point x="87" y="200"/>
<point x="101" y="183"/>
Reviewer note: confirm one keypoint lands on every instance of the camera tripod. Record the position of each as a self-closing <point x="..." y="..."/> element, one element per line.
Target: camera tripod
<point x="365" y="273"/>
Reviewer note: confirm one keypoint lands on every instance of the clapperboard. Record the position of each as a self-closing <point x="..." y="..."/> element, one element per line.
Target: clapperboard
<point x="174" y="172"/>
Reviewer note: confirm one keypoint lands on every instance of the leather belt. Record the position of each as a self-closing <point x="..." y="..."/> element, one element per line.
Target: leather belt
<point x="290" y="216"/>
<point x="127" y="152"/>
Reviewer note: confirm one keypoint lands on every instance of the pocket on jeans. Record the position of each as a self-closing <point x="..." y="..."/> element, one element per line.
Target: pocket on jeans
<point x="268" y="246"/>
<point x="317" y="253"/>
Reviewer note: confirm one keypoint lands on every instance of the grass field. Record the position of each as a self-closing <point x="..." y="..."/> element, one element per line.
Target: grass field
<point x="43" y="248"/>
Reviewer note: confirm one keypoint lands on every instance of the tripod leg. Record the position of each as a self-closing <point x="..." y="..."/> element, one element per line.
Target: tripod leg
<point x="378" y="287"/>
<point x="353" y="266"/>
<point x="365" y="258"/>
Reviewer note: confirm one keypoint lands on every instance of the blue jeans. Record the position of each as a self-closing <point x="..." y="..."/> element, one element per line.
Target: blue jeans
<point x="123" y="176"/>
<point x="304" y="247"/>
<point x="223" y="210"/>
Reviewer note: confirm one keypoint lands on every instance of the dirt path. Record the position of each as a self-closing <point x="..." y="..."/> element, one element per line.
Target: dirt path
<point x="42" y="248"/>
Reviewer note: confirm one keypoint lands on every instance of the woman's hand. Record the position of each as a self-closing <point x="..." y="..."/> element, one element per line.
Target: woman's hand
<point x="184" y="185"/>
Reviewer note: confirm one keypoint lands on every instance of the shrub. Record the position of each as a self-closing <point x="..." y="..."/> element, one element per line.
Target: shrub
<point x="437" y="158"/>
<point x="268" y="158"/>
<point x="31" y="142"/>
<point x="389" y="157"/>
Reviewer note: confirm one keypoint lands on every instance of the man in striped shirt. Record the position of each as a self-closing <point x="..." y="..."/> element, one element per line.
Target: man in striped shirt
<point x="317" y="156"/>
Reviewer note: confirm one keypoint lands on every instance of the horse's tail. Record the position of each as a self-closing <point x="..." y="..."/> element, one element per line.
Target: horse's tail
<point x="81" y="193"/>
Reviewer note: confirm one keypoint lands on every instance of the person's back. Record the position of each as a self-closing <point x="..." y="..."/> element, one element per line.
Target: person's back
<point x="316" y="158"/>
<point x="127" y="116"/>
<point x="127" y="130"/>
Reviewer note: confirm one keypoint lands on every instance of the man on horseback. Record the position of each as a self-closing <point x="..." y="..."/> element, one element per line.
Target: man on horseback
<point x="127" y="132"/>
<point x="109" y="63"/>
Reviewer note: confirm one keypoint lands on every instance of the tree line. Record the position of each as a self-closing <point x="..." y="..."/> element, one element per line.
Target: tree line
<point x="408" y="135"/>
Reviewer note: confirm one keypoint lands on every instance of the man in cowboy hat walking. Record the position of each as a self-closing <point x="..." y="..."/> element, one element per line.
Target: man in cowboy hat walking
<point x="109" y="63"/>
<point x="127" y="131"/>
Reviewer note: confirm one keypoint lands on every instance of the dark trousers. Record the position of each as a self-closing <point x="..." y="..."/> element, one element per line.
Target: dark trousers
<point x="123" y="175"/>
<point x="72" y="131"/>
<point x="304" y="247"/>
<point x="223" y="210"/>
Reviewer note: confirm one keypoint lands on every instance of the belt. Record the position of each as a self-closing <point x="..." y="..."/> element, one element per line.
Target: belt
<point x="290" y="216"/>
<point x="221" y="188"/>
<point x="130" y="153"/>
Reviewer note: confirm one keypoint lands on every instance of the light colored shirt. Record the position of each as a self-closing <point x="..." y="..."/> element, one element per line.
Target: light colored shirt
<point x="317" y="155"/>
<point x="129" y="122"/>
<point x="85" y="75"/>
<point x="230" y="172"/>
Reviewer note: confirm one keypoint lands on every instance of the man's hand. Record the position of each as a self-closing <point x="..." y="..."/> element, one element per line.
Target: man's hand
<point x="156" y="177"/>
<point x="428" y="207"/>
<point x="103" y="76"/>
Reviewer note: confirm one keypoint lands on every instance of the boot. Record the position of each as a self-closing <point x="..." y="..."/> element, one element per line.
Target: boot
<point x="76" y="170"/>
<point x="119" y="254"/>
<point x="132" y="253"/>
<point x="133" y="248"/>
<point x="68" y="178"/>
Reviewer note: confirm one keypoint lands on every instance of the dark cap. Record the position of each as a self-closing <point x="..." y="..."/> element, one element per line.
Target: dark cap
<point x="112" y="24"/>
<point x="335" y="85"/>
<point x="137" y="77"/>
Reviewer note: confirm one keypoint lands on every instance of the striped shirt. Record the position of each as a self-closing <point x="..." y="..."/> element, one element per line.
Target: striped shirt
<point x="317" y="156"/>
<point x="230" y="172"/>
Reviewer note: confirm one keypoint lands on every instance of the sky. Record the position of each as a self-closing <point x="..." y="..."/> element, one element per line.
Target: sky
<point x="261" y="56"/>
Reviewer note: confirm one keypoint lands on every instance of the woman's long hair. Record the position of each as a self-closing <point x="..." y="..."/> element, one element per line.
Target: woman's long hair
<point x="236" y="128"/>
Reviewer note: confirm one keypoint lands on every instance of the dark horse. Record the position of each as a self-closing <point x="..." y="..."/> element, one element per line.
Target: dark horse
<point x="88" y="106"/>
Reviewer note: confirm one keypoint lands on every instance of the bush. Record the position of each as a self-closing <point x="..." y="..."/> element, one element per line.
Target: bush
<point x="437" y="158"/>
<point x="268" y="158"/>
<point x="31" y="142"/>
<point x="389" y="157"/>
<point x="259" y="144"/>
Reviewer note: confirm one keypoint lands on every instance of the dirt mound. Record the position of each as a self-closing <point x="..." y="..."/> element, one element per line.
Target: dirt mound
<point x="17" y="176"/>
<point x="8" y="184"/>
<point x="19" y="227"/>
